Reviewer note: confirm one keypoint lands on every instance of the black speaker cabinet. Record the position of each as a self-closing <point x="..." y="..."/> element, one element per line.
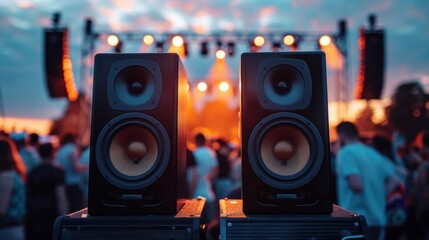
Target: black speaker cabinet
<point x="185" y="225"/>
<point x="284" y="133"/>
<point x="340" y="224"/>
<point x="138" y="139"/>
<point x="371" y="69"/>
<point x="55" y="46"/>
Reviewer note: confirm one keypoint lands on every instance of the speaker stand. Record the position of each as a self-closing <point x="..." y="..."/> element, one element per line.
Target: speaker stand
<point x="186" y="224"/>
<point x="341" y="224"/>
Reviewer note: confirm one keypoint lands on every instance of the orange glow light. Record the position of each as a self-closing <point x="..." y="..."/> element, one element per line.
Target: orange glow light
<point x="202" y="87"/>
<point x="177" y="41"/>
<point x="325" y="40"/>
<point x="68" y="77"/>
<point x="220" y="54"/>
<point x="148" y="39"/>
<point x="259" y="41"/>
<point x="112" y="40"/>
<point x="223" y="86"/>
<point x="288" y="40"/>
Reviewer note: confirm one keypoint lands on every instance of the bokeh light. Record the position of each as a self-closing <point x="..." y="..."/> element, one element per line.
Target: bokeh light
<point x="325" y="40"/>
<point x="223" y="86"/>
<point x="202" y="87"/>
<point x="177" y="41"/>
<point x="148" y="39"/>
<point x="289" y="40"/>
<point x="112" y="40"/>
<point x="259" y="41"/>
<point x="220" y="54"/>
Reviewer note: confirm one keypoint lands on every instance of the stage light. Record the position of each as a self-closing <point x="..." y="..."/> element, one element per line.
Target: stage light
<point x="289" y="40"/>
<point x="276" y="46"/>
<point x="230" y="48"/>
<point x="223" y="86"/>
<point x="204" y="48"/>
<point x="148" y="39"/>
<point x="177" y="41"/>
<point x="112" y="40"/>
<point x="220" y="54"/>
<point x="219" y="44"/>
<point x="118" y="47"/>
<point x="159" y="47"/>
<point x="202" y="87"/>
<point x="325" y="40"/>
<point x="259" y="41"/>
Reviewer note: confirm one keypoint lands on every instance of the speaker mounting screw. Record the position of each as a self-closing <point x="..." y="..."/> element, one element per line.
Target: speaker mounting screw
<point x="230" y="224"/>
<point x="356" y="224"/>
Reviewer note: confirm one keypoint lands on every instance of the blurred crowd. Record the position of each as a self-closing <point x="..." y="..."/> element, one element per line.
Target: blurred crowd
<point x="39" y="181"/>
<point x="384" y="179"/>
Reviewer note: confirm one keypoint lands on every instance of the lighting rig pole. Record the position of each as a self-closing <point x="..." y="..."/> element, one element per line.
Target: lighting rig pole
<point x="340" y="40"/>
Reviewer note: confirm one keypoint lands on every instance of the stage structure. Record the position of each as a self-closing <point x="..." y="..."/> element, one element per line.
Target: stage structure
<point x="221" y="46"/>
<point x="218" y="44"/>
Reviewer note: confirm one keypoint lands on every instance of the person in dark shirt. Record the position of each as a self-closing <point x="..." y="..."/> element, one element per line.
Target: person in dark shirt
<point x="46" y="197"/>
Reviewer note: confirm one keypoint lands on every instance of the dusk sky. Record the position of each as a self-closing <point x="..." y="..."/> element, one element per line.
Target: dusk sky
<point x="22" y="78"/>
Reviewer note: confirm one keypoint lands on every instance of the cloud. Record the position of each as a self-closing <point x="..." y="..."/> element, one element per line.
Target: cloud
<point x="22" y="23"/>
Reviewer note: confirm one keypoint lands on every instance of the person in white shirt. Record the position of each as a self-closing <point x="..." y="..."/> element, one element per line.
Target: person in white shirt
<point x="207" y="170"/>
<point x="364" y="179"/>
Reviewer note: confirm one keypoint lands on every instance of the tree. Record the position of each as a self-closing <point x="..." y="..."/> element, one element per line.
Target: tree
<point x="409" y="111"/>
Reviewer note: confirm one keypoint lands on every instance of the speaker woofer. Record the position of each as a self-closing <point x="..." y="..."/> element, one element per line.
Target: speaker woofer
<point x="132" y="150"/>
<point x="285" y="150"/>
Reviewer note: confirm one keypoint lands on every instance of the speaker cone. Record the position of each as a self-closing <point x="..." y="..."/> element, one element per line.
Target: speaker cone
<point x="285" y="150"/>
<point x="132" y="150"/>
<point x="134" y="85"/>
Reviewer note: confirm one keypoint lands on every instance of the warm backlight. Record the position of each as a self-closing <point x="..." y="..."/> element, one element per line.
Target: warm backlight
<point x="202" y="87"/>
<point x="223" y="86"/>
<point x="220" y="54"/>
<point x="148" y="39"/>
<point x="177" y="41"/>
<point x="325" y="40"/>
<point x="259" y="41"/>
<point x="289" y="40"/>
<point x="112" y="40"/>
